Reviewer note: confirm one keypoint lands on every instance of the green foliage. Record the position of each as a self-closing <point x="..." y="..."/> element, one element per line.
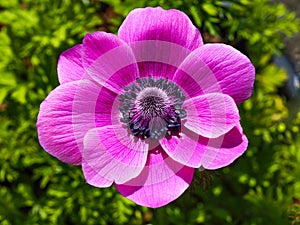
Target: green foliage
<point x="38" y="189"/>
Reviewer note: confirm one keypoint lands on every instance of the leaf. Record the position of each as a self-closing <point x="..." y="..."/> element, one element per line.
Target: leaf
<point x="19" y="94"/>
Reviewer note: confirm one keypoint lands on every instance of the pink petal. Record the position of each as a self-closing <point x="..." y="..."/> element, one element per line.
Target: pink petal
<point x="161" y="181"/>
<point x="196" y="151"/>
<point x="158" y="58"/>
<point x="187" y="148"/>
<point x="217" y="68"/>
<point x="94" y="106"/>
<point x="93" y="178"/>
<point x="107" y="108"/>
<point x="54" y="124"/>
<point x="159" y="24"/>
<point x="109" y="60"/>
<point x="222" y="151"/>
<point x="69" y="112"/>
<point x="233" y="70"/>
<point x="211" y="115"/>
<point x="69" y="67"/>
<point x="160" y="39"/>
<point x="113" y="154"/>
<point x="193" y="76"/>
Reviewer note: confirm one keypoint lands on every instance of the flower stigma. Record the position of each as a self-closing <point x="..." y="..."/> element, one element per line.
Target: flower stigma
<point x="152" y="109"/>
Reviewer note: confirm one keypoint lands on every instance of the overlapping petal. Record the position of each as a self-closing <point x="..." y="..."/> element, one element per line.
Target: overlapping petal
<point x="211" y="115"/>
<point x="161" y="181"/>
<point x="160" y="39"/>
<point x="234" y="71"/>
<point x="69" y="67"/>
<point x="93" y="106"/>
<point x="233" y="145"/>
<point x="69" y="112"/>
<point x="93" y="177"/>
<point x="187" y="148"/>
<point x="55" y="124"/>
<point x="109" y="60"/>
<point x="158" y="24"/>
<point x="216" y="68"/>
<point x="193" y="150"/>
<point x="113" y="154"/>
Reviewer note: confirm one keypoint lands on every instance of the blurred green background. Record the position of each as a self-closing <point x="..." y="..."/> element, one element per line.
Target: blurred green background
<point x="261" y="187"/>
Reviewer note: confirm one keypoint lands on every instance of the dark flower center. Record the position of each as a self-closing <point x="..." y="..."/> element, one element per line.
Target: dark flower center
<point x="152" y="108"/>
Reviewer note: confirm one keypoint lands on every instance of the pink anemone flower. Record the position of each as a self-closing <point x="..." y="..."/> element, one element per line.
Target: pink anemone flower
<point x="144" y="109"/>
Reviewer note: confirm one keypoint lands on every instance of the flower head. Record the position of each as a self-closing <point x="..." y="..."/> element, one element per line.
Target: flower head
<point x="143" y="109"/>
